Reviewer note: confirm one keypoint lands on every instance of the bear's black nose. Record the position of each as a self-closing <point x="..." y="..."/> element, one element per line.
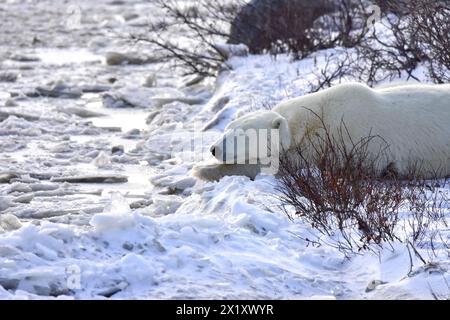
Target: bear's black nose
<point x="213" y="151"/>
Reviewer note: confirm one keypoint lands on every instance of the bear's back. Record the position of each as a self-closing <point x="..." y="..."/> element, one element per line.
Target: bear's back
<point x="353" y="101"/>
<point x="414" y="120"/>
<point x="355" y="98"/>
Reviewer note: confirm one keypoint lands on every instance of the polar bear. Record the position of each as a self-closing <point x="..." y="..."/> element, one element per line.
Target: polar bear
<point x="413" y="120"/>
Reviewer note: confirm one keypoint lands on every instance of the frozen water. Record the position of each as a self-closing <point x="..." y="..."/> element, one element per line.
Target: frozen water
<point x="163" y="233"/>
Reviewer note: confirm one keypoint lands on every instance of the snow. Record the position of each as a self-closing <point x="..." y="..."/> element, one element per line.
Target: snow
<point x="184" y="238"/>
<point x="64" y="56"/>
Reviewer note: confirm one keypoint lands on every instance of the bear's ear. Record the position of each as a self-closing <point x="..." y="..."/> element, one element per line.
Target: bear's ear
<point x="282" y="125"/>
<point x="239" y="114"/>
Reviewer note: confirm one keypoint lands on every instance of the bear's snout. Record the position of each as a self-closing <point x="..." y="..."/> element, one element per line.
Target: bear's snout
<point x="213" y="151"/>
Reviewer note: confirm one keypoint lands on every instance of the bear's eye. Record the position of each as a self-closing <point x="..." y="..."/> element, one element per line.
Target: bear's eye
<point x="277" y="124"/>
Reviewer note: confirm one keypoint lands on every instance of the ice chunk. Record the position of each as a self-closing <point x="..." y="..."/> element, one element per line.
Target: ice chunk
<point x="19" y="187"/>
<point x="104" y="178"/>
<point x="102" y="160"/>
<point x="117" y="215"/>
<point x="8" y="176"/>
<point x="57" y="90"/>
<point x="5" y="203"/>
<point x="8" y="76"/>
<point x="81" y="112"/>
<point x="116" y="58"/>
<point x="139" y="97"/>
<point x="175" y="183"/>
<point x="166" y="204"/>
<point x="137" y="269"/>
<point x="9" y="222"/>
<point x="232" y="50"/>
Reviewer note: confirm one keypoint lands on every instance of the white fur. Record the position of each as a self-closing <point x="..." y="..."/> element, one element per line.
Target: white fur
<point x="413" y="119"/>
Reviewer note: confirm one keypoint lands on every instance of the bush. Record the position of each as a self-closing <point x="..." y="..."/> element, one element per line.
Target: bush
<point x="277" y="25"/>
<point x="299" y="26"/>
<point x="199" y="27"/>
<point x="340" y="192"/>
<point x="431" y="23"/>
<point x="418" y="35"/>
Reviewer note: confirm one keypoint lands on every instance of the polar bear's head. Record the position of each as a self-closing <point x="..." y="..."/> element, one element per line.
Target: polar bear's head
<point x="250" y="138"/>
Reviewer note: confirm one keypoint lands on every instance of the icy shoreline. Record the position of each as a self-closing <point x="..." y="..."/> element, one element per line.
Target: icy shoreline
<point x="181" y="238"/>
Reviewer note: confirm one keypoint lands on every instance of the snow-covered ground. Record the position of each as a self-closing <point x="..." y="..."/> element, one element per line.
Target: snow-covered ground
<point x="96" y="196"/>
